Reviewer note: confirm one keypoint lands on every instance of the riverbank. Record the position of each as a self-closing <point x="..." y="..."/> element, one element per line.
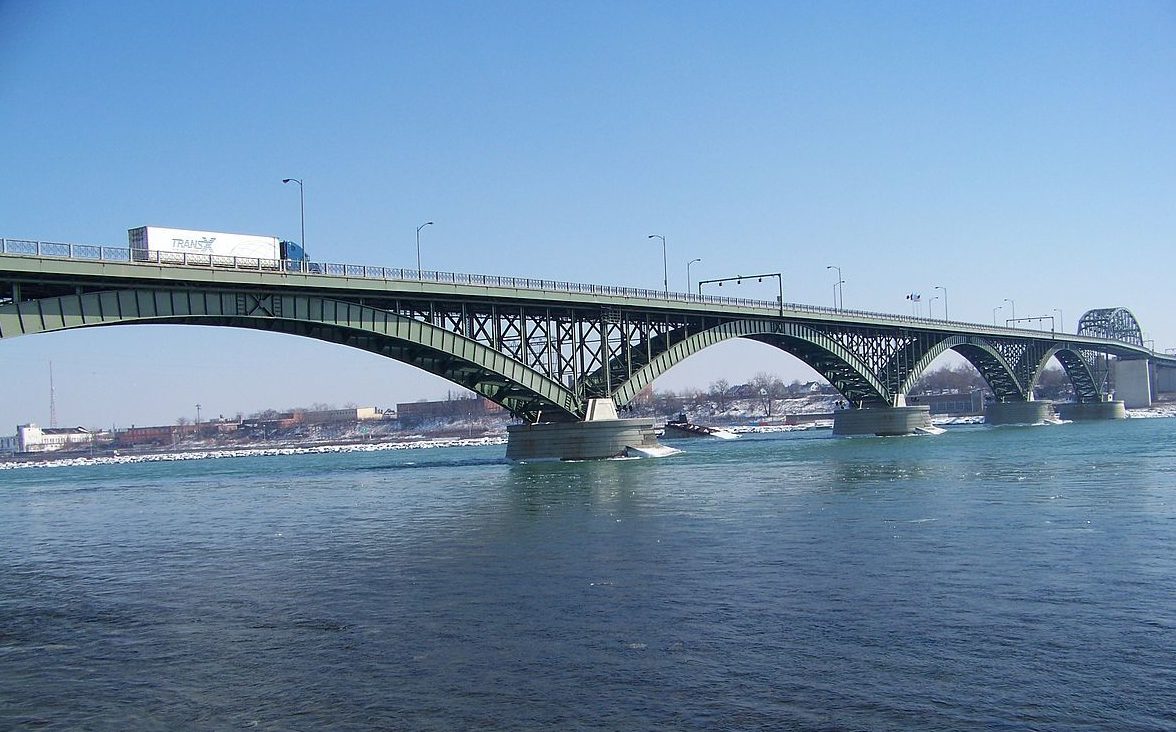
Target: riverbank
<point x="417" y="441"/>
<point x="158" y="457"/>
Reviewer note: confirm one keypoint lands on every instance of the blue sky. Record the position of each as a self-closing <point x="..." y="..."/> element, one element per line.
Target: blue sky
<point x="1001" y="150"/>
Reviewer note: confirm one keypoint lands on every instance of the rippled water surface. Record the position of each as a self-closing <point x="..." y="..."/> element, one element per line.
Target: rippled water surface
<point x="1012" y="578"/>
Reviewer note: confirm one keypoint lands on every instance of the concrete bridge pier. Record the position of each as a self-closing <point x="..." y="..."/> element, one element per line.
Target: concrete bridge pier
<point x="883" y="421"/>
<point x="1017" y="412"/>
<point x="1088" y="411"/>
<point x="602" y="435"/>
<point x="1133" y="382"/>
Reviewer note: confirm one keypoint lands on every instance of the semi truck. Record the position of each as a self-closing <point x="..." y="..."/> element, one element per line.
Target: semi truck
<point x="214" y="248"/>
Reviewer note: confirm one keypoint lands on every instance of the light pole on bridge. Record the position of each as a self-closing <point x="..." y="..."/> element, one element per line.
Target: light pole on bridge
<point x="940" y="287"/>
<point x="1012" y="308"/>
<point x="427" y="223"/>
<point x="1061" y="320"/>
<point x="838" y="288"/>
<point x="665" y="264"/>
<point x="996" y="310"/>
<point x="301" y="208"/>
<point x="690" y="282"/>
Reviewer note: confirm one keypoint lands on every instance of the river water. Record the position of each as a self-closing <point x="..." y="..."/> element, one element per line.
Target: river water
<point x="1008" y="578"/>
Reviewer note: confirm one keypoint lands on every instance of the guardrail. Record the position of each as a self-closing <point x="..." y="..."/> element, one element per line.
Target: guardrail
<point x="126" y="255"/>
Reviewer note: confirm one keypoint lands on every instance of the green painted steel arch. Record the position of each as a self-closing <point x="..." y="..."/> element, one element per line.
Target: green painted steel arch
<point x="500" y="378"/>
<point x="997" y="372"/>
<point x="774" y="333"/>
<point x="1001" y="376"/>
<point x="1086" y="388"/>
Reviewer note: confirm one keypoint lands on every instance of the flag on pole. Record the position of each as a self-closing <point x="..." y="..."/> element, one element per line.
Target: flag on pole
<point x="914" y="297"/>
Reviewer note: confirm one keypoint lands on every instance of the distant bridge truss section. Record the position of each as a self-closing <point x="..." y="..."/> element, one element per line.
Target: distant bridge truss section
<point x="1115" y="323"/>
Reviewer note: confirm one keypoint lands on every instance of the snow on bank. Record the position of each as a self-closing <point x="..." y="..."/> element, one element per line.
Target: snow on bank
<point x="166" y="457"/>
<point x="1156" y="410"/>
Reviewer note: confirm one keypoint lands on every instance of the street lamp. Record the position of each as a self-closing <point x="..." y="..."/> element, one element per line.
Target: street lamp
<point x="938" y="287"/>
<point x="1012" y="308"/>
<point x="301" y="207"/>
<point x="1061" y="320"/>
<point x="930" y="307"/>
<point x="839" y="287"/>
<point x="427" y="223"/>
<point x="665" y="266"/>
<point x="995" y="310"/>
<point x="690" y="282"/>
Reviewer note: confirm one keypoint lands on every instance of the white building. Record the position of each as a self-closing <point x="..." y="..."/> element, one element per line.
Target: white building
<point x="31" y="438"/>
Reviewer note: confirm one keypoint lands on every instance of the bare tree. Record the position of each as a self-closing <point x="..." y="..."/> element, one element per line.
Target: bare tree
<point x="768" y="387"/>
<point x="960" y="377"/>
<point x="1053" y="383"/>
<point x="719" y="390"/>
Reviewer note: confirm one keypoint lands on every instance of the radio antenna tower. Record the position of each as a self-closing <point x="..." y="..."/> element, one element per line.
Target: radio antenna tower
<point x="52" y="399"/>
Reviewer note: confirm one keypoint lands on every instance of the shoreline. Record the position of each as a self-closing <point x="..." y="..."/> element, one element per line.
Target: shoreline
<point x="213" y="453"/>
<point x="233" y="452"/>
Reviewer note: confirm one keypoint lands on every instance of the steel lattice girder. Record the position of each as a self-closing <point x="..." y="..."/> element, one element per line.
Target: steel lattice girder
<point x="547" y="357"/>
<point x="1117" y="323"/>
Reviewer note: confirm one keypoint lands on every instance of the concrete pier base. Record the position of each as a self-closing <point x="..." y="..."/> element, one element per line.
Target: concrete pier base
<point x="581" y="440"/>
<point x="882" y="421"/>
<point x="1017" y="412"/>
<point x="1081" y="412"/>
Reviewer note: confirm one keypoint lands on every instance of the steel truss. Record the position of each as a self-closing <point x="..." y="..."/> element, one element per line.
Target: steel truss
<point x="543" y="359"/>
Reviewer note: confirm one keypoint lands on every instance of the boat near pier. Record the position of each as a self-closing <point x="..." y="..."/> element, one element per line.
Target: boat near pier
<point x="681" y="428"/>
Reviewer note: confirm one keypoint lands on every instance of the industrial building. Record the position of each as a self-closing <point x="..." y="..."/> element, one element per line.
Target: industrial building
<point x="952" y="402"/>
<point x="416" y="412"/>
<point x="31" y="438"/>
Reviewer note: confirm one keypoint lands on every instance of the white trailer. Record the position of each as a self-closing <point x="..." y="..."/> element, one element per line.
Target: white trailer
<point x="184" y="246"/>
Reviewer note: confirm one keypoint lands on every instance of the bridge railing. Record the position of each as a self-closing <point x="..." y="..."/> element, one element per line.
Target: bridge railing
<point x="90" y="252"/>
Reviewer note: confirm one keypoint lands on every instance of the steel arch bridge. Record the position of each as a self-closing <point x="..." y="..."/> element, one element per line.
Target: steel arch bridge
<point x="541" y="349"/>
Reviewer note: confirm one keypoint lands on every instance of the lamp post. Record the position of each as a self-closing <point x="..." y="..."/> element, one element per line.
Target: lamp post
<point x="838" y="288"/>
<point x="1061" y="320"/>
<point x="939" y="287"/>
<point x="995" y="310"/>
<point x="665" y="265"/>
<point x="301" y="207"/>
<point x="427" y="223"/>
<point x="1012" y="308"/>
<point x="930" y="307"/>
<point x="690" y="282"/>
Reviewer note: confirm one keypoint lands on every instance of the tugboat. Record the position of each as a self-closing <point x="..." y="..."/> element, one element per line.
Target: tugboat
<point x="680" y="428"/>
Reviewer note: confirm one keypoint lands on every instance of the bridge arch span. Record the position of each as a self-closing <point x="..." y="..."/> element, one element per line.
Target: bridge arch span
<point x="994" y="368"/>
<point x="1077" y="368"/>
<point x="1002" y="377"/>
<point x="845" y="371"/>
<point x="520" y="389"/>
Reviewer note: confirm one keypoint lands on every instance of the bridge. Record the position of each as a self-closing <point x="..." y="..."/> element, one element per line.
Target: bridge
<point x="562" y="357"/>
